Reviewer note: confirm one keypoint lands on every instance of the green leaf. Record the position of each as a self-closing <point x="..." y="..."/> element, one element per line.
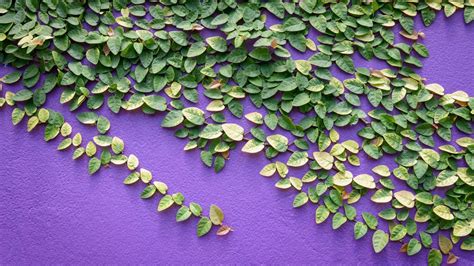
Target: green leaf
<point x="298" y="159"/>
<point x="342" y="179"/>
<point x="194" y="115"/>
<point x="216" y="215"/>
<point x="414" y="247"/>
<point x="22" y="95"/>
<point x="303" y="66"/>
<point x="338" y="220"/>
<point x="196" y="49"/>
<point x="132" y="178"/>
<point x="322" y="213"/>
<point x="172" y="119"/>
<point x="261" y="53"/>
<point x="301" y="99"/>
<point x="145" y="176"/>
<point x="406" y="198"/>
<point x="50" y="132"/>
<point x="398" y="232"/>
<point x="430" y="156"/>
<point x="468" y="14"/>
<point x="233" y="131"/>
<point x="195" y="209"/>
<point x="435" y="257"/>
<point x="393" y="140"/>
<point x="360" y="229"/>
<point x="87" y="118"/>
<point x="364" y="180"/>
<point x="370" y="220"/>
<point x="165" y="202"/>
<point x="468" y="244"/>
<point x="217" y="43"/>
<point x="148" y="192"/>
<point x="17" y="116"/>
<point x="278" y="142"/>
<point x="155" y="102"/>
<point x="179" y="37"/>
<point x="379" y="240"/>
<point x="117" y="145"/>
<point x="183" y="214"/>
<point x="443" y="212"/>
<point x="293" y="24"/>
<point x="461" y="228"/>
<point x="211" y="131"/>
<point x="300" y="199"/>
<point x="253" y="146"/>
<point x="381" y="170"/>
<point x="346" y="64"/>
<point x="103" y="124"/>
<point x="445" y="245"/>
<point x="94" y="165"/>
<point x="132" y="162"/>
<point x="161" y="187"/>
<point x="204" y="226"/>
<point x="11" y="77"/>
<point x="324" y="159"/>
<point x="206" y="158"/>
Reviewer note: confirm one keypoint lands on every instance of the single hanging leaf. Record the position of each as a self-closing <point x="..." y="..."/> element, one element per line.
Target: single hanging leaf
<point x="381" y="170"/>
<point x="468" y="244"/>
<point x="322" y="213"/>
<point x="435" y="257"/>
<point x="196" y="49"/>
<point x="398" y="232"/>
<point x="194" y="115"/>
<point x="233" y="131"/>
<point x="360" y="229"/>
<point x="253" y="146"/>
<point x="414" y="247"/>
<point x="278" y="142"/>
<point x="338" y="220"/>
<point x="268" y="170"/>
<point x="430" y="156"/>
<point x="445" y="245"/>
<point x="165" y="202"/>
<point x="324" y="159"/>
<point x="148" y="192"/>
<point x="87" y="118"/>
<point x="382" y="196"/>
<point x="22" y="95"/>
<point x="297" y="159"/>
<point x="342" y="179"/>
<point x="443" y="212"/>
<point x="172" y="119"/>
<point x="365" y="180"/>
<point x="406" y="198"/>
<point x="204" y="226"/>
<point x="379" y="240"/>
<point x="183" y="214"/>
<point x="300" y="200"/>
<point x="216" y="215"/>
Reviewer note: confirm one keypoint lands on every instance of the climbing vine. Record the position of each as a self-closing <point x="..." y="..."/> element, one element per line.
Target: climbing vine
<point x="171" y="56"/>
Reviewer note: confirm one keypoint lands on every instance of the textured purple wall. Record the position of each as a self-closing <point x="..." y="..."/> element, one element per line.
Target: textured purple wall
<point x="51" y="211"/>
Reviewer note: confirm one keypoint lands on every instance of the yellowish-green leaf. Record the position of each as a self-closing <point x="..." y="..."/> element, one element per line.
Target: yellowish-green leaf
<point x="365" y="180"/>
<point x="443" y="212"/>
<point x="324" y="159"/>
<point x="165" y="202"/>
<point x="406" y="198"/>
<point x="216" y="215"/>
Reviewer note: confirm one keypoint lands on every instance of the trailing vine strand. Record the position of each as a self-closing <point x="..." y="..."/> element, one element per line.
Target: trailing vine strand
<point x="175" y="56"/>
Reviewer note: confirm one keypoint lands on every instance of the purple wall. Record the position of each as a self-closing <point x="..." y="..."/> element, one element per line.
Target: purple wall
<point x="52" y="211"/>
